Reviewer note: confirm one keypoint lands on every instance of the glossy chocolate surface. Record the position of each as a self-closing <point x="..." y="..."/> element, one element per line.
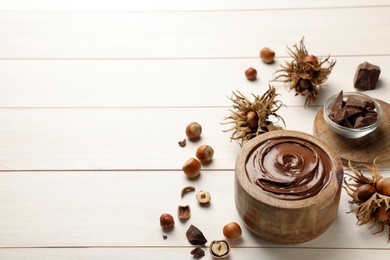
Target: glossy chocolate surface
<point x="288" y="168"/>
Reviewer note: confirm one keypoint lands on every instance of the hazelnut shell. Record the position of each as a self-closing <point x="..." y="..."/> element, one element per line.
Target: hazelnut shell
<point x="383" y="186"/>
<point x="193" y="131"/>
<point x="205" y="153"/>
<point x="232" y="231"/>
<point x="267" y="55"/>
<point x="191" y="168"/>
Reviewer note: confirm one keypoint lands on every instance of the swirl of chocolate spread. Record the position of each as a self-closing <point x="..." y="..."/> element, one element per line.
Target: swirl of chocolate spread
<point x="289" y="168"/>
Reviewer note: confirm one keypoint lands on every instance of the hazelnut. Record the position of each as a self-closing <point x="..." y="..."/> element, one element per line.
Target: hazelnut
<point x="193" y="131"/>
<point x="383" y="186"/>
<point x="184" y="212"/>
<point x="192" y="168"/>
<point x="232" y="231"/>
<point x="252" y="119"/>
<point x="167" y="221"/>
<point x="251" y="74"/>
<point x="203" y="197"/>
<point x="205" y="153"/>
<point x="267" y="55"/>
<point x="382" y="214"/>
<point x="365" y="192"/>
<point x="219" y="248"/>
<point x="310" y="59"/>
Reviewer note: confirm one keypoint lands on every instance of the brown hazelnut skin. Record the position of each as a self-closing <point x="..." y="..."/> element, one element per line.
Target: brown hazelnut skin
<point x="251" y="74"/>
<point x="232" y="231"/>
<point x="310" y="59"/>
<point x="252" y="120"/>
<point x="383" y="186"/>
<point x="267" y="55"/>
<point x="204" y="153"/>
<point x="365" y="191"/>
<point x="381" y="214"/>
<point x="167" y="221"/>
<point x="192" y="168"/>
<point x="193" y="131"/>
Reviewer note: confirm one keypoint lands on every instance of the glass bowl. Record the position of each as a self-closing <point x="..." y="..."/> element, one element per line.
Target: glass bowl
<point x="347" y="131"/>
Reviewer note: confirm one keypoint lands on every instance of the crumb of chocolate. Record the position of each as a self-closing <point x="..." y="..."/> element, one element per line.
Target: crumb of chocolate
<point x="182" y="143"/>
<point x="164" y="237"/>
<point x="198" y="252"/>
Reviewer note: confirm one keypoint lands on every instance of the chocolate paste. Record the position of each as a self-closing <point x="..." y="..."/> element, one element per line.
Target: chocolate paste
<point x="289" y="168"/>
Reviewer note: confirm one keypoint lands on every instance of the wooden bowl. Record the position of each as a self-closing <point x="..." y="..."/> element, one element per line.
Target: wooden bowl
<point x="287" y="214"/>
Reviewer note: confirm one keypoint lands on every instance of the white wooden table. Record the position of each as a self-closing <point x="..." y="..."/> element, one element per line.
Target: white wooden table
<point x="95" y="95"/>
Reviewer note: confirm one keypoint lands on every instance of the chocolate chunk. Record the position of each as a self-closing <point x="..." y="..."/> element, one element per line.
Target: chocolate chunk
<point x="366" y="76"/>
<point x="354" y="102"/>
<point x="198" y="252"/>
<point x="363" y="121"/>
<point x="337" y="105"/>
<point x="354" y="112"/>
<point x="345" y="113"/>
<point x="195" y="236"/>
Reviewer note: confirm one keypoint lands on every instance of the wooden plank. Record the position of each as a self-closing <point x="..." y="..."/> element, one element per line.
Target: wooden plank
<point x="159" y="83"/>
<point x="71" y="35"/>
<point x="177" y="5"/>
<point x="119" y="139"/>
<point x="111" y="209"/>
<point x="122" y="138"/>
<point x="184" y="253"/>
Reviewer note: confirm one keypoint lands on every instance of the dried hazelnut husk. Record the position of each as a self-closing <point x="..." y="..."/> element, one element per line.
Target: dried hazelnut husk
<point x="232" y="231"/>
<point x="191" y="168"/>
<point x="205" y="153"/>
<point x="267" y="55"/>
<point x="370" y="208"/>
<point x="193" y="131"/>
<point x="167" y="221"/>
<point x="251" y="74"/>
<point x="305" y="73"/>
<point x="251" y="119"/>
<point x="219" y="248"/>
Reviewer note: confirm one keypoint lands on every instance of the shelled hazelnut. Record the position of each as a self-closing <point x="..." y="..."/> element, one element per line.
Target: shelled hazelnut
<point x="219" y="248"/>
<point x="167" y="221"/>
<point x="251" y="74"/>
<point x="203" y="197"/>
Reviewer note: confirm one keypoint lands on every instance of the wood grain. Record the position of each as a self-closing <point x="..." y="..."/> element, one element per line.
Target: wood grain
<point x="161" y="35"/>
<point x="160" y="83"/>
<point x="366" y="149"/>
<point x="122" y="209"/>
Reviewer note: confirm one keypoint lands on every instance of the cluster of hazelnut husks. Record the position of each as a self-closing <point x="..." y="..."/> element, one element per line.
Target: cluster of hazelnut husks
<point x="371" y="194"/>
<point x="192" y="167"/>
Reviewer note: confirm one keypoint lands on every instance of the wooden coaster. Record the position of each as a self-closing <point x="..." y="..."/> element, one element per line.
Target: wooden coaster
<point x="361" y="150"/>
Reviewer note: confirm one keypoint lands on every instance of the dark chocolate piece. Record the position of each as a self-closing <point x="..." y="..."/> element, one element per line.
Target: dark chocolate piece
<point x="337" y="105"/>
<point x="198" y="252"/>
<point x="195" y="236"/>
<point x="354" y="112"/>
<point x="366" y="76"/>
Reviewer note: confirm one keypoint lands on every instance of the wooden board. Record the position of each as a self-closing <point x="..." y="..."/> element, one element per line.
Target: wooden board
<point x="362" y="150"/>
